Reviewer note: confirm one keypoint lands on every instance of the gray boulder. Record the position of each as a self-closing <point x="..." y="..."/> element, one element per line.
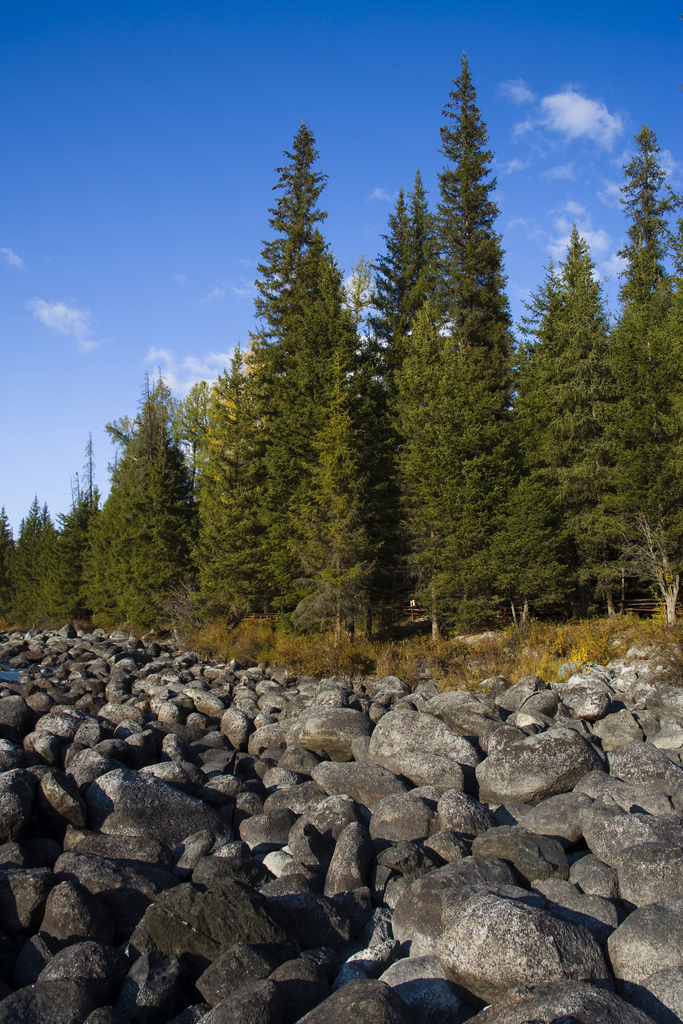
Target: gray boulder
<point x="498" y="944"/>
<point x="238" y="965"/>
<point x="650" y="872"/>
<point x="312" y="919"/>
<point x="130" y="803"/>
<point x="96" y="969"/>
<point x="608" y="830"/>
<point x="16" y="802"/>
<point x="641" y="764"/>
<point x="649" y="940"/>
<point x="419" y="913"/>
<point x="206" y="923"/>
<point x="536" y="768"/>
<point x="350" y="865"/>
<point x="564" y="1003"/>
<point x="660" y="996"/>
<point x="633" y="799"/>
<point x="594" y="878"/>
<point x="558" y="817"/>
<point x="403" y="816"/>
<point x="618" y="729"/>
<point x="422" y="985"/>
<point x="303" y="985"/>
<point x="73" y="914"/>
<point x="422" y="748"/>
<point x="366" y="783"/>
<point x="257" y="1002"/>
<point x="362" y="1002"/>
<point x="333" y="730"/>
<point x="596" y="914"/>
<point x="462" y="813"/>
<point x="23" y="895"/>
<point x="152" y="989"/>
<point x="535" y="857"/>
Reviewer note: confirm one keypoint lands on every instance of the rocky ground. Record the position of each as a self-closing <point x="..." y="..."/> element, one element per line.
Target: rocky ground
<point x="185" y="840"/>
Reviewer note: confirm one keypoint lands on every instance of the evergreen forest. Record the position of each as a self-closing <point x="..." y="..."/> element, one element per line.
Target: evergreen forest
<point x="391" y="436"/>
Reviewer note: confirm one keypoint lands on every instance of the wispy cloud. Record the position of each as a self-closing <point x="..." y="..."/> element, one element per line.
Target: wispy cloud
<point x="612" y="266"/>
<point x="610" y="194"/>
<point x="12" y="259"/>
<point x="383" y="196"/>
<point x="65" y="319"/>
<point x="246" y="263"/>
<point x="513" y="165"/>
<point x="668" y="163"/>
<point x="517" y="90"/>
<point x="181" y="374"/>
<point x="217" y="293"/>
<point x="181" y="279"/>
<point x="598" y="239"/>
<point x="245" y="292"/>
<point x="576" y="116"/>
<point x="562" y="171"/>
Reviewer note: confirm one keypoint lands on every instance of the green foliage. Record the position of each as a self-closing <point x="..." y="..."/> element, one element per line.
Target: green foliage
<point x="190" y="425"/>
<point x="66" y="582"/>
<point x="231" y="556"/>
<point x="141" y="542"/>
<point x="30" y="564"/>
<point x="6" y="565"/>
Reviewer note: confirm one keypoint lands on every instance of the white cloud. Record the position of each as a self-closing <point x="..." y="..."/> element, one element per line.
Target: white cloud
<point x="65" y="319"/>
<point x="565" y="171"/>
<point x="576" y="208"/>
<point x="181" y="374"/>
<point x="517" y="90"/>
<point x="513" y="165"/>
<point x="217" y="293"/>
<point x="246" y="292"/>
<point x="576" y="116"/>
<point x="598" y="239"/>
<point x="12" y="259"/>
<point x="668" y="163"/>
<point x="610" y="194"/>
<point x="181" y="279"/>
<point x="246" y="263"/>
<point x="612" y="266"/>
<point x="380" y="194"/>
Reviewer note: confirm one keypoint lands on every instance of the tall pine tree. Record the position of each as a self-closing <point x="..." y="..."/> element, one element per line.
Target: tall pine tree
<point x="6" y="560"/>
<point x="648" y="366"/>
<point x="141" y="545"/>
<point x="30" y="565"/>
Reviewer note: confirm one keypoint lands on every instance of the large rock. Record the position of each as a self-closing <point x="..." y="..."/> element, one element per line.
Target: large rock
<point x="422" y="748"/>
<point x="498" y="944"/>
<point x="660" y="995"/>
<point x="419" y="913"/>
<point x="130" y="803"/>
<point x="595" y="913"/>
<point x="362" y="1002"/>
<point x="421" y="983"/>
<point x="313" y="919"/>
<point x="633" y="799"/>
<point x="463" y="814"/>
<point x="618" y="730"/>
<point x="350" y="865"/>
<point x="650" y="872"/>
<point x="535" y="857"/>
<point x="536" y="768"/>
<point x="257" y="1002"/>
<point x="465" y="713"/>
<point x="334" y="730"/>
<point x="237" y="966"/>
<point x="366" y="783"/>
<point x="558" y="817"/>
<point x="73" y="914"/>
<point x="403" y="816"/>
<point x="16" y="801"/>
<point x="587" y="699"/>
<point x="23" y="895"/>
<point x="303" y="984"/>
<point x="152" y="989"/>
<point x="564" y="1003"/>
<point x="608" y="830"/>
<point x="206" y="923"/>
<point x="649" y="940"/>
<point x="641" y="764"/>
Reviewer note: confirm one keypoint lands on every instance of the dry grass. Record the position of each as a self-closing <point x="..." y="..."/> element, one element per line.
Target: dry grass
<point x="541" y="647"/>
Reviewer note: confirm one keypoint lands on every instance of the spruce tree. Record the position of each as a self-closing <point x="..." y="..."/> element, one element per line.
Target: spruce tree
<point x="141" y="545"/>
<point x="473" y="393"/>
<point x="6" y="567"/>
<point x="406" y="275"/>
<point x="30" y="565"/>
<point x="564" y="411"/>
<point x="231" y="555"/>
<point x="330" y="531"/>
<point x="190" y="425"/>
<point x="648" y="366"/>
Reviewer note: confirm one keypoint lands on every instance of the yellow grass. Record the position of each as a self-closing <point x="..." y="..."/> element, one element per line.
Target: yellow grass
<point x="459" y="662"/>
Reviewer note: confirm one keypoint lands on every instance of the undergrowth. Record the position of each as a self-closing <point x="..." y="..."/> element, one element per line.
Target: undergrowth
<point x="457" y="662"/>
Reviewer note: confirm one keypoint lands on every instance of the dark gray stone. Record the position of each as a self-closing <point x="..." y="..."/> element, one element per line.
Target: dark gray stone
<point x="16" y="802"/>
<point x="152" y="989"/>
<point x="350" y="865"/>
<point x="565" y="1003"/>
<point x="649" y="940"/>
<point x="368" y="784"/>
<point x="362" y="1002"/>
<point x="73" y="914"/>
<point x="235" y="967"/>
<point x="641" y="764"/>
<point x="422" y="985"/>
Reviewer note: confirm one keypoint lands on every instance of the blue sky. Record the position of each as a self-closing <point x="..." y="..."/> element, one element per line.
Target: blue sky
<point x="139" y="144"/>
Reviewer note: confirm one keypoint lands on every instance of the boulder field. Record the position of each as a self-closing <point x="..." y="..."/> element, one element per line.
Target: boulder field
<point x="183" y="840"/>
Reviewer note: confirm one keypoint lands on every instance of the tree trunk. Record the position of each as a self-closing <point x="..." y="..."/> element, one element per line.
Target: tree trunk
<point x="611" y="610"/>
<point x="435" y="621"/>
<point x="338" y="623"/>
<point x="514" y="612"/>
<point x="525" y="611"/>
<point x="671" y="597"/>
<point x="368" y="622"/>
